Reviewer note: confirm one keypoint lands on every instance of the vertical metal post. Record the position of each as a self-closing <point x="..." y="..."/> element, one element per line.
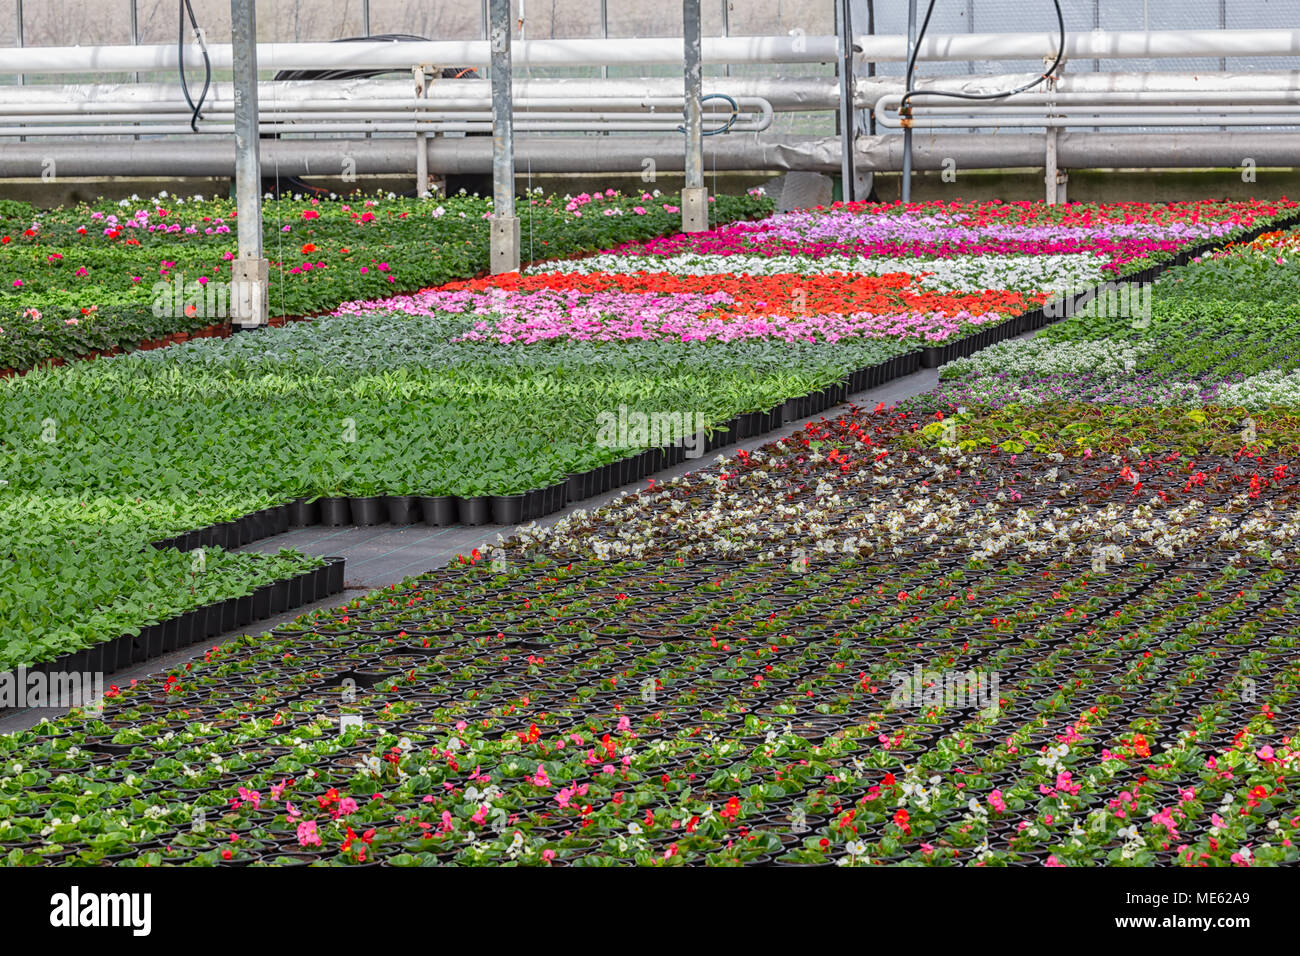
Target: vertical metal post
<point x="421" y="77"/>
<point x="726" y="31"/>
<point x="604" y="32"/>
<point x="505" y="224"/>
<point x="1096" y="25"/>
<point x="844" y="44"/>
<point x="1223" y="25"/>
<point x="695" y="197"/>
<point x="907" y="85"/>
<point x="18" y="36"/>
<point x="1053" y="179"/>
<point x="249" y="271"/>
<point x="970" y="28"/>
<point x="365" y="18"/>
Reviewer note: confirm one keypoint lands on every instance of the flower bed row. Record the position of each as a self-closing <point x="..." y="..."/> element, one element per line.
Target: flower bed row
<point x="1211" y="360"/>
<point x="414" y="407"/>
<point x="570" y="703"/>
<point x="87" y="279"/>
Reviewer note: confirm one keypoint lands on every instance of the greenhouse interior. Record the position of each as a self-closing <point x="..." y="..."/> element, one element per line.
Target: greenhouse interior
<point x="572" y="433"/>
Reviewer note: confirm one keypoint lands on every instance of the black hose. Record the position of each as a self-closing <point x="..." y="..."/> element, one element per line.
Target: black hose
<point x="180" y="55"/>
<point x="911" y="65"/>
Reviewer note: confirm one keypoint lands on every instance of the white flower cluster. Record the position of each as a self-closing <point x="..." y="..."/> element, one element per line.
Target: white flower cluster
<point x="1273" y="387"/>
<point x="1042" y="357"/>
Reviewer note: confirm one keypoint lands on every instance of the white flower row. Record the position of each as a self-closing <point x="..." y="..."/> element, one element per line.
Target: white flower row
<point x="1043" y="357"/>
<point x="918" y="501"/>
<point x="959" y="274"/>
<point x="1274" y="387"/>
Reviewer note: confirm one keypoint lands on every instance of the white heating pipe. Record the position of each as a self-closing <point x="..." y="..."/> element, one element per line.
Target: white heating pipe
<point x="665" y="50"/>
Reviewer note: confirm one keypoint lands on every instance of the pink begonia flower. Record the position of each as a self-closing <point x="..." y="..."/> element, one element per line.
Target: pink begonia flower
<point x="307" y="834"/>
<point x="480" y="815"/>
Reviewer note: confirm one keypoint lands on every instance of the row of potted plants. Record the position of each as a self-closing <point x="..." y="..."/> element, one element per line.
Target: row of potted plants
<point x="95" y="277"/>
<point x="711" y="712"/>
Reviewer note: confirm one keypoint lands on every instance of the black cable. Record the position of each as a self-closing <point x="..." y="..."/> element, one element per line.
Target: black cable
<point x="180" y="55"/>
<point x="911" y="65"/>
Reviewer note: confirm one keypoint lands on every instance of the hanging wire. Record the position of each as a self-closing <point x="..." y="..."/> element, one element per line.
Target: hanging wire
<point x="182" y="10"/>
<point x="916" y="48"/>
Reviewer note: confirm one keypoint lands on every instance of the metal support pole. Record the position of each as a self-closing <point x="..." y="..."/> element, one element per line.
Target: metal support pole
<point x="844" y="36"/>
<point x="421" y="139"/>
<point x="249" y="272"/>
<point x="906" y="179"/>
<point x="604" y="32"/>
<point x="1053" y="178"/>
<point x="505" y="224"/>
<point x="695" y="197"/>
<point x="18" y="37"/>
<point x="365" y="18"/>
<point x="726" y="31"/>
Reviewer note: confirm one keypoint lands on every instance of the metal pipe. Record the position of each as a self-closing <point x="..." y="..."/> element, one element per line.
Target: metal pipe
<point x="1084" y="150"/>
<point x="871" y="90"/>
<point x="667" y="50"/>
<point x="1097" y="118"/>
<point x="380" y="54"/>
<point x="1129" y="99"/>
<point x="695" y="203"/>
<point x="249" y="272"/>
<point x="505" y="224"/>
<point x="396" y="108"/>
<point x="573" y="123"/>
<point x="194" y="157"/>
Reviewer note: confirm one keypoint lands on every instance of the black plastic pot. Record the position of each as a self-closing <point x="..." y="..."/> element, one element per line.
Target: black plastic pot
<point x="309" y="592"/>
<point x="531" y="506"/>
<point x="403" y="509"/>
<point x="368" y="511"/>
<point x="476" y="510"/>
<point x="198" y="624"/>
<point x="335" y="577"/>
<point x="303" y="513"/>
<point x="507" y="509"/>
<point x="335" y="512"/>
<point x="262" y="602"/>
<point x="215" y="613"/>
<point x="440" y="511"/>
<point x="171" y="631"/>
